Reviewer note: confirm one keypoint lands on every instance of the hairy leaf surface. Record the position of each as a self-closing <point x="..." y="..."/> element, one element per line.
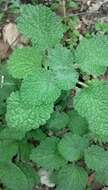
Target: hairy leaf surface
<point x="92" y="56"/>
<point x="41" y="25"/>
<point x="24" y="61"/>
<point x="92" y="103"/>
<point x="60" y="62"/>
<point x="23" y="118"/>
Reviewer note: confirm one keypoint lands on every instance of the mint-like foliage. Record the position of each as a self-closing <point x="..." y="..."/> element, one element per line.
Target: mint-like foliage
<point x="60" y="61"/>
<point x="23" y="118"/>
<point x="91" y="103"/>
<point x="39" y="89"/>
<point x="48" y="158"/>
<point x="72" y="147"/>
<point x="77" y="124"/>
<point x="91" y="55"/>
<point x="57" y="121"/>
<point x="24" y="61"/>
<point x="96" y="158"/>
<point x="71" y="177"/>
<point x="41" y="25"/>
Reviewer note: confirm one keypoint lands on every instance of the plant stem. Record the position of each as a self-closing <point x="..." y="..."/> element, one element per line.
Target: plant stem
<point x="82" y="84"/>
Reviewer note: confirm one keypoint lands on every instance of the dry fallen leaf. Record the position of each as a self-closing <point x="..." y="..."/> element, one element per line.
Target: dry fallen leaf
<point x="11" y="34"/>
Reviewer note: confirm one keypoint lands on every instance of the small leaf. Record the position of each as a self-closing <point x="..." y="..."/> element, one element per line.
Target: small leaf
<point x="24" y="61"/>
<point x="60" y="62"/>
<point x="30" y="173"/>
<point x="36" y="134"/>
<point x="57" y="121"/>
<point x="46" y="154"/>
<point x="96" y="158"/>
<point x="72" y="147"/>
<point x="78" y="125"/>
<point x="72" y="178"/>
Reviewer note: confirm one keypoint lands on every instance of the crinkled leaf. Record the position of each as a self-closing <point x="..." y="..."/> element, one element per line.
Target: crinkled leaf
<point x="102" y="177"/>
<point x="24" y="118"/>
<point x="96" y="158"/>
<point x="77" y="124"/>
<point x="92" y="56"/>
<point x="24" y="61"/>
<point x="39" y="89"/>
<point x="92" y="103"/>
<point x="41" y="25"/>
<point x="60" y="61"/>
<point x="12" y="177"/>
<point x="11" y="134"/>
<point x="8" y="149"/>
<point x="57" y="121"/>
<point x="46" y="154"/>
<point x="72" y="147"/>
<point x="72" y="178"/>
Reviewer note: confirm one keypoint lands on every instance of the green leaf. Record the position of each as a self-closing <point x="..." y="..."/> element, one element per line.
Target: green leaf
<point x="71" y="178"/>
<point x="46" y="154"/>
<point x="91" y="103"/>
<point x="57" y="121"/>
<point x="39" y="89"/>
<point x="7" y="85"/>
<point x="41" y="25"/>
<point x="24" y="61"/>
<point x="102" y="177"/>
<point x="30" y="173"/>
<point x="60" y="62"/>
<point x="96" y="158"/>
<point x="78" y="125"/>
<point x="36" y="134"/>
<point x="12" y="177"/>
<point x="72" y="147"/>
<point x="23" y="118"/>
<point x="24" y="151"/>
<point x="11" y="134"/>
<point x="92" y="56"/>
<point x="8" y="149"/>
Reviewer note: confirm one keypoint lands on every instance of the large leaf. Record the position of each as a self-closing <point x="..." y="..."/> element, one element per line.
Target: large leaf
<point x="39" y="89"/>
<point x="23" y="118"/>
<point x="72" y="147"/>
<point x="78" y="125"/>
<point x="60" y="62"/>
<point x="92" y="56"/>
<point x="24" y="61"/>
<point x="46" y="154"/>
<point x="12" y="177"/>
<point x="92" y="103"/>
<point x="41" y="25"/>
<point x="57" y="121"/>
<point x="71" y="178"/>
<point x="96" y="158"/>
